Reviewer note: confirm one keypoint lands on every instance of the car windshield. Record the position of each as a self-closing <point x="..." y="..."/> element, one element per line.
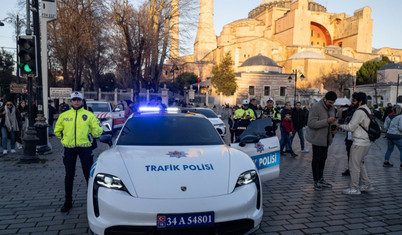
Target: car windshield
<point x="99" y="107"/>
<point x="169" y="130"/>
<point x="206" y="112"/>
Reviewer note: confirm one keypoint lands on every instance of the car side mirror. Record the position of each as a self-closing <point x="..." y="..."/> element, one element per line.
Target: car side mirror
<point x="219" y="131"/>
<point x="248" y="139"/>
<point x="107" y="139"/>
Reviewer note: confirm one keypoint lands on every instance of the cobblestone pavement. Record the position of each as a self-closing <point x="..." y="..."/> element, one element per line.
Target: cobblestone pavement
<point x="31" y="196"/>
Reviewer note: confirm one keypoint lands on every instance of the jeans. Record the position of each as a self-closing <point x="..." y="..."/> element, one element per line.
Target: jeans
<point x="320" y="154"/>
<point x="4" y="137"/>
<point x="69" y="160"/>
<point x="390" y="149"/>
<point x="285" y="141"/>
<point x="301" y="137"/>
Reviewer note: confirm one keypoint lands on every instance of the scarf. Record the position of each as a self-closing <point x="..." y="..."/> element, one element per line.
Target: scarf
<point x="11" y="120"/>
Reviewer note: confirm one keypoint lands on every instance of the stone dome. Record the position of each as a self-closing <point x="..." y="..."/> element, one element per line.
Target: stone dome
<point x="259" y="60"/>
<point x="307" y="55"/>
<point x="391" y="65"/>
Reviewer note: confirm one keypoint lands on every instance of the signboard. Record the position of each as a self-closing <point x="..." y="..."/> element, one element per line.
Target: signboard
<point x="191" y="94"/>
<point x="18" y="88"/>
<point x="49" y="10"/>
<point x="60" y="93"/>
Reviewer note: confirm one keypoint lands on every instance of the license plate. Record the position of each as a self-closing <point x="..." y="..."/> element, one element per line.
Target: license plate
<point x="185" y="220"/>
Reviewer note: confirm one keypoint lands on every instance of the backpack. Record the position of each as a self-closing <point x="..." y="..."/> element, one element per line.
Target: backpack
<point x="374" y="130"/>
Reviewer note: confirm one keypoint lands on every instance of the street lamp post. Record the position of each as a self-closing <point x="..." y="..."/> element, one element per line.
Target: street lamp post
<point x="290" y="78"/>
<point x="397" y="89"/>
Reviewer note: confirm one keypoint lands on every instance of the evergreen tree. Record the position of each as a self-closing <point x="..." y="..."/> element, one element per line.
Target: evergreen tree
<point x="367" y="74"/>
<point x="6" y="70"/>
<point x="185" y="79"/>
<point x="223" y="76"/>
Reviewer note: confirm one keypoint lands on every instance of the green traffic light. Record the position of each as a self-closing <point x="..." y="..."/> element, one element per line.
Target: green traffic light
<point x="27" y="68"/>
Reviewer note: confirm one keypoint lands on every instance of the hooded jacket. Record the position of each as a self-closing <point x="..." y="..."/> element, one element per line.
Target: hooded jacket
<point x="359" y="135"/>
<point x="75" y="125"/>
<point x="318" y="129"/>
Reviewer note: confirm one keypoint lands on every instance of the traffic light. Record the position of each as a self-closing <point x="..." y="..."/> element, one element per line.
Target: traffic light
<point x="26" y="59"/>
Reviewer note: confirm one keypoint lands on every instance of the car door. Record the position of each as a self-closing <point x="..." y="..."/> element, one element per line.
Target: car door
<point x="118" y="116"/>
<point x="265" y="152"/>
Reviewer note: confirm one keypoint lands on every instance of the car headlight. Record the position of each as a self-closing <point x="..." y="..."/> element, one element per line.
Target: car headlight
<point x="109" y="181"/>
<point x="104" y="119"/>
<point x="246" y="178"/>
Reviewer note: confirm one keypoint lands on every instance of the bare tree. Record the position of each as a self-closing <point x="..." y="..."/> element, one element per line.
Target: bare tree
<point x="337" y="81"/>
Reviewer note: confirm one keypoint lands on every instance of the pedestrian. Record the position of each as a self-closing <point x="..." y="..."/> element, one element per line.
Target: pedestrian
<point x="23" y="109"/>
<point x="74" y="127"/>
<point x="10" y="125"/>
<point x="387" y="111"/>
<point x="52" y="112"/>
<point x="64" y="107"/>
<point x="286" y="132"/>
<point x="272" y="113"/>
<point x="305" y="110"/>
<point x="319" y="133"/>
<point x="231" y="123"/>
<point x="253" y="106"/>
<point x="393" y="125"/>
<point x="160" y="104"/>
<point x="286" y="108"/>
<point x="360" y="147"/>
<point x="298" y="118"/>
<point x="347" y="116"/>
<point x="129" y="110"/>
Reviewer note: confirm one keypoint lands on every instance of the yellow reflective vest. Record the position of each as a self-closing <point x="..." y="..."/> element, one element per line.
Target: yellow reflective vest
<point x="74" y="126"/>
<point x="241" y="113"/>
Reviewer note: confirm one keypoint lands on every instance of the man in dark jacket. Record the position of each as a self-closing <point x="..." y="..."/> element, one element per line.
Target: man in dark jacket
<point x="253" y="106"/>
<point x="387" y="111"/>
<point x="319" y="133"/>
<point x="298" y="118"/>
<point x="52" y="112"/>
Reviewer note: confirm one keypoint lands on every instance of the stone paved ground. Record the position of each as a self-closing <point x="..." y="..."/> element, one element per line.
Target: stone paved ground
<point x="31" y="196"/>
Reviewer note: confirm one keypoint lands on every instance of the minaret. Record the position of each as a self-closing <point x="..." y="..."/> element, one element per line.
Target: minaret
<point x="174" y="30"/>
<point x="205" y="41"/>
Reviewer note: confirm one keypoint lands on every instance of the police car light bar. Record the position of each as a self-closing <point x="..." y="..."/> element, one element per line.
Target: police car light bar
<point x="173" y="110"/>
<point x="149" y="109"/>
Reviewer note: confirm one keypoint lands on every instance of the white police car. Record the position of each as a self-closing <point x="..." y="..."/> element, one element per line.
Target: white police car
<point x="107" y="114"/>
<point x="211" y="116"/>
<point x="173" y="172"/>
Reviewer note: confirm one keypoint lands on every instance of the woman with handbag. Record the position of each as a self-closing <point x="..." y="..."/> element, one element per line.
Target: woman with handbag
<point x="393" y="125"/>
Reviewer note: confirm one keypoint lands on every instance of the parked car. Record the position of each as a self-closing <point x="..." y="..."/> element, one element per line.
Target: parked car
<point x="212" y="117"/>
<point x="107" y="114"/>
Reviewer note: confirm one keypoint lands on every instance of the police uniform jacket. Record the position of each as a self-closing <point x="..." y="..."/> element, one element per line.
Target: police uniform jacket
<point x="240" y="112"/>
<point x="75" y="125"/>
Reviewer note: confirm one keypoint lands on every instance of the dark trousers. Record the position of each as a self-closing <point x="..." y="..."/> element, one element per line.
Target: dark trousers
<point x="285" y="141"/>
<point x="348" y="144"/>
<point x="318" y="163"/>
<point x="69" y="160"/>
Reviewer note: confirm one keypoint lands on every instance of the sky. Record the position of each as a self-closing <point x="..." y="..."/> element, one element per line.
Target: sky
<point x="386" y="14"/>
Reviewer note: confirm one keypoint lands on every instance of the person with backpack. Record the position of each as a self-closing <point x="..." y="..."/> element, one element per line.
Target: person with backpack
<point x="393" y="125"/>
<point x="359" y="126"/>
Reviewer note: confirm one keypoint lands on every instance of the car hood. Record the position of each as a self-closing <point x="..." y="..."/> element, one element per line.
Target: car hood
<point x="177" y="171"/>
<point x="215" y="121"/>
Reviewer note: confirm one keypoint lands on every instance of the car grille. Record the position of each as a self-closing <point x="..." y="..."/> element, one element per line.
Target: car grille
<point x="231" y="227"/>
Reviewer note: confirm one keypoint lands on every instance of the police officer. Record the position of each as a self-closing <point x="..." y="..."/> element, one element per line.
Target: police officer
<point x="74" y="127"/>
<point x="271" y="112"/>
<point x="243" y="118"/>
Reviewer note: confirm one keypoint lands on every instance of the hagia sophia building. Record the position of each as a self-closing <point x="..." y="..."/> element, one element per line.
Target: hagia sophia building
<point x="279" y="40"/>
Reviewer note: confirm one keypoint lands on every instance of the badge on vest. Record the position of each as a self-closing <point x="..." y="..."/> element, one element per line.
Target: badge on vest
<point x="84" y="117"/>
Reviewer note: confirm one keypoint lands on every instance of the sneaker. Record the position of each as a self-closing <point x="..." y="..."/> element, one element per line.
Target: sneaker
<point x="387" y="164"/>
<point x="317" y="186"/>
<point x="19" y="146"/>
<point x="4" y="152"/>
<point x="365" y="188"/>
<point x="324" y="183"/>
<point x="346" y="173"/>
<point x="305" y="150"/>
<point x="66" y="207"/>
<point x="351" y="191"/>
<point x="13" y="151"/>
<point x="294" y="155"/>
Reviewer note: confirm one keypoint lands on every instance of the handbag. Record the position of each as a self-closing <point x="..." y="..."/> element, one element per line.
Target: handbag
<point x="393" y="136"/>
